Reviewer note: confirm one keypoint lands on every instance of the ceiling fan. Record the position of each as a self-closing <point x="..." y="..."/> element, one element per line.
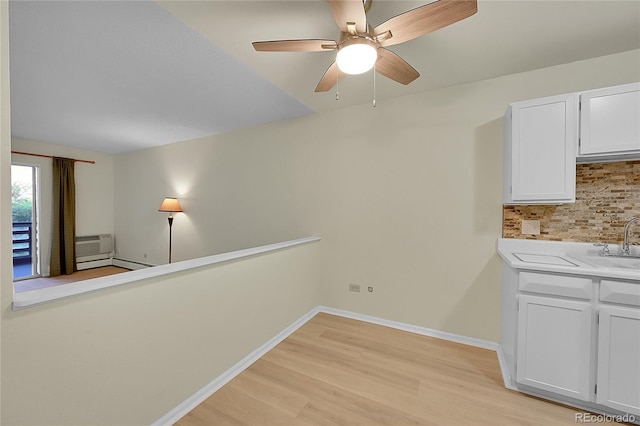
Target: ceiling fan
<point x="362" y="46"/>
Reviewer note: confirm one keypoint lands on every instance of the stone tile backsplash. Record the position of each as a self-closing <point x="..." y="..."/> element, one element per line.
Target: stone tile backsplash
<point x="607" y="196"/>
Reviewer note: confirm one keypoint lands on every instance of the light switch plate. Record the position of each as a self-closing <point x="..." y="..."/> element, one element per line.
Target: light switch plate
<point x="531" y="227"/>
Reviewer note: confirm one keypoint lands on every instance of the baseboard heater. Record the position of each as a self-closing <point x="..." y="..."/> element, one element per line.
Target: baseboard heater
<point x="93" y="251"/>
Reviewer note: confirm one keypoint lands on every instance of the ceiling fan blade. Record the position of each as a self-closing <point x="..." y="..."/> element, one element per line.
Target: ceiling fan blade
<point x="295" y="45"/>
<point x="394" y="67"/>
<point x="330" y="78"/>
<point x="349" y="11"/>
<point x="425" y="19"/>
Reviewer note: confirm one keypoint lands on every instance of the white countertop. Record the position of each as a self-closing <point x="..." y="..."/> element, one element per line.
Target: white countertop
<point x="566" y="258"/>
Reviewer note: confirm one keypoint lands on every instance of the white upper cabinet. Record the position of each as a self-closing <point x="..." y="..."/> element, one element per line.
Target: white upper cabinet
<point x="610" y="122"/>
<point x="544" y="138"/>
<point x="541" y="136"/>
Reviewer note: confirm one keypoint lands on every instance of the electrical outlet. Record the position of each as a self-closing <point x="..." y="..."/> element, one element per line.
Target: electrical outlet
<point x="531" y="227"/>
<point x="354" y="287"/>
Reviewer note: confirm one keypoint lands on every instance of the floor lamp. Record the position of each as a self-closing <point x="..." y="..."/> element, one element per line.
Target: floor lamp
<point x="171" y="205"/>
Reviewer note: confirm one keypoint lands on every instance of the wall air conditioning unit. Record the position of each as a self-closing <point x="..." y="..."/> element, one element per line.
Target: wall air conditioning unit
<point x="94" y="250"/>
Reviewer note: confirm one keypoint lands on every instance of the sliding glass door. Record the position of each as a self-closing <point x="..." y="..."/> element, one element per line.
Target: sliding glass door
<point x="24" y="203"/>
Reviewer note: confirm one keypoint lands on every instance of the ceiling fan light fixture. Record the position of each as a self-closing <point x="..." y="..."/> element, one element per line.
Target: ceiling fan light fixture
<point x="361" y="46"/>
<point x="357" y="55"/>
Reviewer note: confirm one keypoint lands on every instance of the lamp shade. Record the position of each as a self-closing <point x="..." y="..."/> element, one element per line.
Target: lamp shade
<point x="171" y="205"/>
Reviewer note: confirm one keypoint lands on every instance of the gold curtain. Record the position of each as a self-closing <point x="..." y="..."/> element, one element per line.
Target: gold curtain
<point x="63" y="245"/>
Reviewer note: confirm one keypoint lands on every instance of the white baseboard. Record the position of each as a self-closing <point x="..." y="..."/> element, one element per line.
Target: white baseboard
<point x="94" y="264"/>
<point x="504" y="370"/>
<point x="197" y="398"/>
<point x="128" y="264"/>
<point x="471" y="341"/>
<point x="122" y="263"/>
<point x="194" y="400"/>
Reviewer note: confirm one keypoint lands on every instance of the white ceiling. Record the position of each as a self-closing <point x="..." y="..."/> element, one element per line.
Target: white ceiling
<point x="119" y="76"/>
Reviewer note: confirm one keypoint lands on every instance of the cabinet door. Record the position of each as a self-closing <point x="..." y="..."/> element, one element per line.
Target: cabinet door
<point x="544" y="135"/>
<point x="554" y="345"/>
<point x="619" y="359"/>
<point x="610" y="120"/>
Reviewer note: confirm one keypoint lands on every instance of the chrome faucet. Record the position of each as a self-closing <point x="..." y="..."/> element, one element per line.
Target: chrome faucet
<point x="627" y="228"/>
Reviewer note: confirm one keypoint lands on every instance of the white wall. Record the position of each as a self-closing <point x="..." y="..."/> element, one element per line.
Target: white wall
<point x="94" y="189"/>
<point x="406" y="196"/>
<point x="94" y="182"/>
<point x="6" y="261"/>
<point x="127" y="356"/>
<point x="233" y="195"/>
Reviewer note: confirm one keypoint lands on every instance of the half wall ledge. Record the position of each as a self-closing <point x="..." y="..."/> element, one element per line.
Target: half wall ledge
<point x="36" y="297"/>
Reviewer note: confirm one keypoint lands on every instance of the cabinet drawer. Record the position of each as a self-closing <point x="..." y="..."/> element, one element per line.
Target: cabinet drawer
<point x="559" y="285"/>
<point x="626" y="292"/>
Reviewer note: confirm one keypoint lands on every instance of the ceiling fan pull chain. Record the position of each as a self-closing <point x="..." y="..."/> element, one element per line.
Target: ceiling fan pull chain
<point x="337" y="85"/>
<point x="374" y="85"/>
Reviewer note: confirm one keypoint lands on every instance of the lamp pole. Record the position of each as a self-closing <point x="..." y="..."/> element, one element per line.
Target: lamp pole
<point x="170" y="228"/>
<point x="170" y="205"/>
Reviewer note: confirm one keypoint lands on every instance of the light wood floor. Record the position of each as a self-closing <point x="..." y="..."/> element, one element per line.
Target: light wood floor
<point x="87" y="274"/>
<point x="338" y="371"/>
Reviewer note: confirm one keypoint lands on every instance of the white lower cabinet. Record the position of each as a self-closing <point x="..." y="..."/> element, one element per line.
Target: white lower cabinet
<point x="565" y="350"/>
<point x="619" y="358"/>
<point x="571" y="337"/>
<point x="554" y="345"/>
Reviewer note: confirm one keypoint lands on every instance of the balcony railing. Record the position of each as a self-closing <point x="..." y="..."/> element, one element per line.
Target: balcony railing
<point x="22" y="242"/>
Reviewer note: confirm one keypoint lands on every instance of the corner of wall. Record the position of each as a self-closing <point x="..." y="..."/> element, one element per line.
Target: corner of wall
<point x="6" y="274"/>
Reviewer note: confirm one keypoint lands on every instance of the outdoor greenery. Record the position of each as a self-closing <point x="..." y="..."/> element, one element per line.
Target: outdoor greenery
<point x="21" y="202"/>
